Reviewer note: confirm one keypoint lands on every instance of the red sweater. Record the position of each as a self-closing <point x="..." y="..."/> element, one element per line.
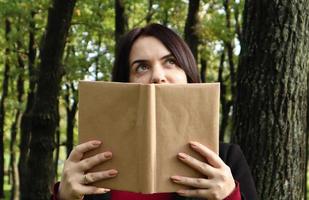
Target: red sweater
<point x="121" y="195"/>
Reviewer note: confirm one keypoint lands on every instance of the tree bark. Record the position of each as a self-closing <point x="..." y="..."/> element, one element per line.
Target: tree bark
<point x="225" y="104"/>
<point x="25" y="124"/>
<point x="44" y="114"/>
<point x="121" y="22"/>
<point x="307" y="141"/>
<point x="203" y="70"/>
<point x="57" y="141"/>
<point x="20" y="94"/>
<point x="191" y="35"/>
<point x="150" y="11"/>
<point x="271" y="108"/>
<point x="71" y="109"/>
<point x="13" y="166"/>
<point x="165" y="17"/>
<point x="97" y="58"/>
<point x="5" y="86"/>
<point x="237" y="23"/>
<point x="230" y="48"/>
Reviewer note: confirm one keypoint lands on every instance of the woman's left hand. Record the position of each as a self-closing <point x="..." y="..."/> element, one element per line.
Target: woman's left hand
<point x="219" y="182"/>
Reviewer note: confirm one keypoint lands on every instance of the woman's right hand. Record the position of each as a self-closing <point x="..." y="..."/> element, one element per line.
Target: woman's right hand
<point x="75" y="180"/>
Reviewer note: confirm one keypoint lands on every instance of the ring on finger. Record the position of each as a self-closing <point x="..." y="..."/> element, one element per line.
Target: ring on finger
<point x="86" y="180"/>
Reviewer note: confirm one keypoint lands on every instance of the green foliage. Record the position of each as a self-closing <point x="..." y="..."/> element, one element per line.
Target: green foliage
<point x="89" y="52"/>
<point x="90" y="45"/>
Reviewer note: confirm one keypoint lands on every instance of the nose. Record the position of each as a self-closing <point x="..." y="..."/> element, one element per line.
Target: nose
<point x="158" y="74"/>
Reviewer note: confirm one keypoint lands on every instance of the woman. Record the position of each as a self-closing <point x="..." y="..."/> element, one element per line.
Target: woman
<point x="155" y="54"/>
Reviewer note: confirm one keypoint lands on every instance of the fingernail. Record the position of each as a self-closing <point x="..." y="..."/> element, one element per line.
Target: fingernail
<point x="106" y="190"/>
<point x="181" y="192"/>
<point x="175" y="178"/>
<point x="112" y="173"/>
<point x="107" y="154"/>
<point x="182" y="156"/>
<point x="103" y="190"/>
<point x="193" y="145"/>
<point x="96" y="143"/>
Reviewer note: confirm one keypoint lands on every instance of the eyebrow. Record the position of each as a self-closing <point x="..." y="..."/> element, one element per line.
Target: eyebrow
<point x="162" y="58"/>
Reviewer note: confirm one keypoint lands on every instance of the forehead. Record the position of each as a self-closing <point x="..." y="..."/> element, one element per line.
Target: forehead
<point x="147" y="48"/>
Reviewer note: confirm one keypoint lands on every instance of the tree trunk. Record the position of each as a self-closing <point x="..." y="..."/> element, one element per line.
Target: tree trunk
<point x="20" y="93"/>
<point x="5" y="86"/>
<point x="25" y="124"/>
<point x="71" y="111"/>
<point x="191" y="35"/>
<point x="150" y="11"/>
<point x="97" y="58"/>
<point x="44" y="114"/>
<point x="165" y="17"/>
<point x="13" y="167"/>
<point x="307" y="141"/>
<point x="121" y="22"/>
<point x="203" y="70"/>
<point x="237" y="23"/>
<point x="57" y="141"/>
<point x="230" y="49"/>
<point x="225" y="104"/>
<point x="271" y="108"/>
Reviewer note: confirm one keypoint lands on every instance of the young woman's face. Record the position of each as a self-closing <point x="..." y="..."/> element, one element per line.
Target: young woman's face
<point x="151" y="62"/>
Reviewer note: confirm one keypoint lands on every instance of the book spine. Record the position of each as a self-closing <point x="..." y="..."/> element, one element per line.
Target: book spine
<point x="153" y="137"/>
<point x="147" y="139"/>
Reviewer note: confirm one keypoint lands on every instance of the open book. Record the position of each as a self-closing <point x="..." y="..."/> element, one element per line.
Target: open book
<point x="145" y="126"/>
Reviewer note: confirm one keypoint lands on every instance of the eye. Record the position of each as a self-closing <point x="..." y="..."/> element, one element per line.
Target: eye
<point x="170" y="61"/>
<point x="141" y="68"/>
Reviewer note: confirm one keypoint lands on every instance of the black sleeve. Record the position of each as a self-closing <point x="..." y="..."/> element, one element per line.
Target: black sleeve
<point x="106" y="196"/>
<point x="232" y="155"/>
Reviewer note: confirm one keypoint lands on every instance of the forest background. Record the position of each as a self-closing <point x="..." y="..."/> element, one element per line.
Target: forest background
<point x="257" y="50"/>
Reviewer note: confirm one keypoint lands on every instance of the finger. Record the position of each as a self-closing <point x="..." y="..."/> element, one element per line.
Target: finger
<point x="96" y="176"/>
<point x="200" y="166"/>
<point x="86" y="190"/>
<point x="90" y="162"/>
<point x="212" y="158"/>
<point x="198" y="193"/>
<point x="78" y="152"/>
<point x="193" y="182"/>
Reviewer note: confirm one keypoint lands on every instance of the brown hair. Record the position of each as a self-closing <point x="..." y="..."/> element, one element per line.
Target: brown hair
<point x="178" y="48"/>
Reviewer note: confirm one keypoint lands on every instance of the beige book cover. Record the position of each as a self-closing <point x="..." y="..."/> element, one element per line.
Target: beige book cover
<point x="145" y="126"/>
